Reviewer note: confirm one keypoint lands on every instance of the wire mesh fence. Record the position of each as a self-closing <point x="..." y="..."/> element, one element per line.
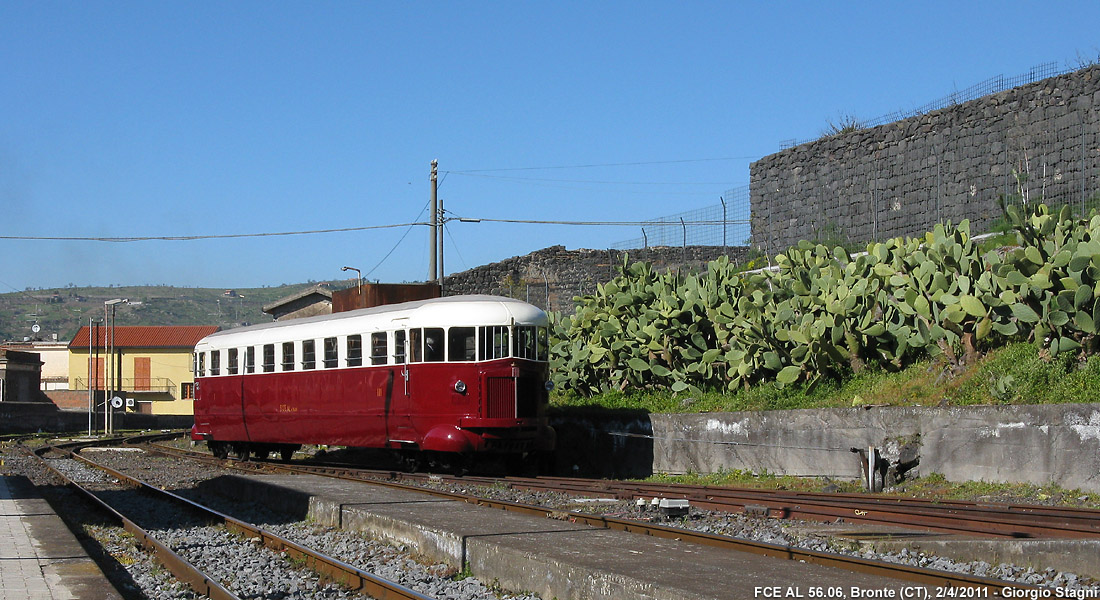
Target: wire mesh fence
<point x="723" y="224"/>
<point x="993" y="85"/>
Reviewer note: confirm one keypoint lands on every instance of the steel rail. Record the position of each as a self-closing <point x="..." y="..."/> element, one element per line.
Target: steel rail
<point x="1015" y="521"/>
<point x="993" y="588"/>
<point x="954" y="517"/>
<point x="178" y="566"/>
<point x="351" y="577"/>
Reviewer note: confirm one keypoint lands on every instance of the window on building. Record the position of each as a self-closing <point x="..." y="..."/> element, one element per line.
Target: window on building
<point x="355" y="350"/>
<point x="231" y="368"/>
<point x="460" y="344"/>
<point x="187" y="391"/>
<point x="494" y="342"/>
<point x="288" y="356"/>
<point x="269" y="358"/>
<point x="378" y="348"/>
<point x="250" y="359"/>
<point x="215" y="362"/>
<point x="309" y="355"/>
<point x="399" y="347"/>
<point x="331" y="348"/>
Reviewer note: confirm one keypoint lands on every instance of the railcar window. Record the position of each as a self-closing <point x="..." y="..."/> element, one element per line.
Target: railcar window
<point x="544" y="344"/>
<point x="195" y="364"/>
<point x="250" y="359"/>
<point x="355" y="350"/>
<point x="231" y="368"/>
<point x="416" y="345"/>
<point x="288" y="356"/>
<point x="202" y="364"/>
<point x="525" y="345"/>
<point x="433" y="344"/>
<point x="216" y="362"/>
<point x="330" y="353"/>
<point x="378" y="349"/>
<point x="494" y="342"/>
<point x="309" y="355"/>
<point x="269" y="358"/>
<point x="460" y="344"/>
<point x="399" y="347"/>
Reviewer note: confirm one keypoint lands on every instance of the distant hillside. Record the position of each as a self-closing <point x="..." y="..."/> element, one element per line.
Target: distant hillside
<point x="62" y="311"/>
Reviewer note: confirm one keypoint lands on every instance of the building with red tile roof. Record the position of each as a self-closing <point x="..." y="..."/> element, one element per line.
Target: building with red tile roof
<point x="151" y="366"/>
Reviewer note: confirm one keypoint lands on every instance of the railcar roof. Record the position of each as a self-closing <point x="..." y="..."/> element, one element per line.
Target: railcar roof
<point x="434" y="312"/>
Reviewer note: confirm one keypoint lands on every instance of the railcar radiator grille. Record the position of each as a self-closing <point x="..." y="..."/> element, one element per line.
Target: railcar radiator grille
<point x="513" y="398"/>
<point x="500" y="402"/>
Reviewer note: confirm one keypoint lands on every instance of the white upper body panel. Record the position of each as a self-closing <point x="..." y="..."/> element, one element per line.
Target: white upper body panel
<point x="452" y="311"/>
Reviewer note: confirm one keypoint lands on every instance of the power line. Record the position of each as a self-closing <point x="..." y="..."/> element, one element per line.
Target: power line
<point x="188" y="238"/>
<point x="606" y="223"/>
<point x="512" y="178"/>
<point x="596" y="165"/>
<point x="403" y="236"/>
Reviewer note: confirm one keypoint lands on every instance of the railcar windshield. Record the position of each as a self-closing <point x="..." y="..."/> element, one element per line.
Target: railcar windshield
<point x="460" y="344"/>
<point x="530" y="342"/>
<point x="494" y="342"/>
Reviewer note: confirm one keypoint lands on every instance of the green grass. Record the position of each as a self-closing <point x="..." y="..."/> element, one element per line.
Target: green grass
<point x="749" y="479"/>
<point x="1015" y="374"/>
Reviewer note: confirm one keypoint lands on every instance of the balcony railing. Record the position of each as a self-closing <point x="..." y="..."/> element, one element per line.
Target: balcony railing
<point x="131" y="385"/>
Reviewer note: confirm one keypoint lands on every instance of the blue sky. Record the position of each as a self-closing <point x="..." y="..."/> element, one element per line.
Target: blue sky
<point x="122" y="119"/>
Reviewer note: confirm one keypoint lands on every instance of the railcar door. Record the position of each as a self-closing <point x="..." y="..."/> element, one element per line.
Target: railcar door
<point x="398" y="428"/>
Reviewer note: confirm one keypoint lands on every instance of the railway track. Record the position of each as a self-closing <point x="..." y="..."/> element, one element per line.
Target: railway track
<point x="927" y="577"/>
<point x="946" y="516"/>
<point x="985" y="519"/>
<point x="235" y="538"/>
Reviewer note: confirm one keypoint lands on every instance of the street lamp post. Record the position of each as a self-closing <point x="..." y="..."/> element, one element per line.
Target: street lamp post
<point x="358" y="277"/>
<point x="110" y="369"/>
<point x="92" y="372"/>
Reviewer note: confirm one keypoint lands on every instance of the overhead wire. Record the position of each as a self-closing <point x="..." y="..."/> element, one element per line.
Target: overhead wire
<point x="207" y="237"/>
<point x="599" y="165"/>
<point x="548" y="179"/>
<point x="403" y="236"/>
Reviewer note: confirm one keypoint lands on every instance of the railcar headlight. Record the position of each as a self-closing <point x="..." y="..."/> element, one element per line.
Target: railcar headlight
<point x="549" y="385"/>
<point x="460" y="386"/>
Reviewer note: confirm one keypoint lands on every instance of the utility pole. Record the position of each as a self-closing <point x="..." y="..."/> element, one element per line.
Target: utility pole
<point x="442" y="271"/>
<point x="434" y="208"/>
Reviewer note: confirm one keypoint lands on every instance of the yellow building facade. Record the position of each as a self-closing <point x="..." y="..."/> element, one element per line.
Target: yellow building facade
<point x="150" y="368"/>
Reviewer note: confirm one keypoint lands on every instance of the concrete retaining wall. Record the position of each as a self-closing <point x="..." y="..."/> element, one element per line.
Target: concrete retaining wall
<point x="1037" y="444"/>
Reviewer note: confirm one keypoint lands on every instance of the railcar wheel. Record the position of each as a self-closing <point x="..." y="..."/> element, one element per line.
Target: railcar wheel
<point x="220" y="450"/>
<point x="461" y="464"/>
<point x="287" y="453"/>
<point x="411" y="463"/>
<point x="242" y="451"/>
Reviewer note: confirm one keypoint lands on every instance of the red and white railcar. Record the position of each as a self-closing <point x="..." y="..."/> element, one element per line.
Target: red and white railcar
<point x="450" y="377"/>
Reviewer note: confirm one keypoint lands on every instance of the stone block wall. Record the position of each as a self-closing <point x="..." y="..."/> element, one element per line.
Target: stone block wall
<point x="904" y="177"/>
<point x="551" y="277"/>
